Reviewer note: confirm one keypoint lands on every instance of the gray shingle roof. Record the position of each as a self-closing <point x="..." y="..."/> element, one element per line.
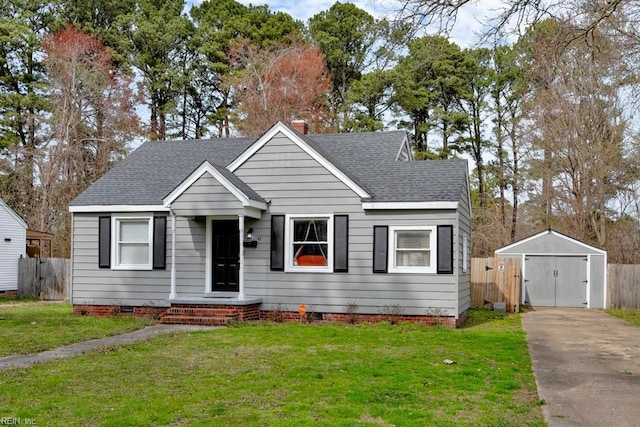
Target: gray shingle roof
<point x="239" y="184"/>
<point x="418" y="181"/>
<point x="153" y="170"/>
<point x="370" y="159"/>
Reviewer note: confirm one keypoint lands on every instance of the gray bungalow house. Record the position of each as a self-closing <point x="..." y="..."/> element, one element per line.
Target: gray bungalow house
<point x="209" y="230"/>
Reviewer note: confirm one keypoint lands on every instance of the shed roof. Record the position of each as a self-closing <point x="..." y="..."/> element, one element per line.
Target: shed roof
<point x="13" y="214"/>
<point x="156" y="168"/>
<point x="549" y="242"/>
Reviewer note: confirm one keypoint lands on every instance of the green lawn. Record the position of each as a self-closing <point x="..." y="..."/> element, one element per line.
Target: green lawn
<point x="291" y="375"/>
<point x="28" y="326"/>
<point x="630" y="315"/>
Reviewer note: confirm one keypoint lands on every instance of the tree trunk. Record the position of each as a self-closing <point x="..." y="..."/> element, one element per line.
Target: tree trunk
<point x="546" y="188"/>
<point x="515" y="184"/>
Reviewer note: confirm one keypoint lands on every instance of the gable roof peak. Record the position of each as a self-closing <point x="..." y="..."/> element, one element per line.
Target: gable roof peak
<point x="245" y="194"/>
<point x="13" y="213"/>
<point x="307" y="145"/>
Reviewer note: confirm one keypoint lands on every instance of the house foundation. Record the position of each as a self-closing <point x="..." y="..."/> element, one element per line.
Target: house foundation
<point x="220" y="314"/>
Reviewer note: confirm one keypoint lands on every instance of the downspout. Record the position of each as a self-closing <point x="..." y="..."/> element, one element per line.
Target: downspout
<point x="173" y="295"/>
<point x="456" y="266"/>
<point x="241" y="261"/>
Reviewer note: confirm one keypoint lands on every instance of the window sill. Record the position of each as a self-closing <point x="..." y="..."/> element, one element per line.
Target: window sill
<point x="132" y="268"/>
<point x="296" y="269"/>
<point x="413" y="270"/>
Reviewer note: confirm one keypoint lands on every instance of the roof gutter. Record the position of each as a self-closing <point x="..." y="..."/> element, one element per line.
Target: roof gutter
<point x="410" y="205"/>
<point x="118" y="208"/>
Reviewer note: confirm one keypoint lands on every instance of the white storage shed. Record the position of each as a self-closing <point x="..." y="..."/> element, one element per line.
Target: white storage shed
<point x="560" y="271"/>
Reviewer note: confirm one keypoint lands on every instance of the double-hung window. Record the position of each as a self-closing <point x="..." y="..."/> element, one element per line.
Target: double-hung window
<point x="309" y="245"/>
<point x="132" y="240"/>
<point x="412" y="249"/>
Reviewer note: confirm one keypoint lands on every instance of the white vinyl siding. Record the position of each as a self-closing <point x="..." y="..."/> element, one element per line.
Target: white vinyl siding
<point x="12" y="246"/>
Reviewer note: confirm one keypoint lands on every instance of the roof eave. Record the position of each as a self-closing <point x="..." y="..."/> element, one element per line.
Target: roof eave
<point x="117" y="208"/>
<point x="434" y="205"/>
<point x="14" y="214"/>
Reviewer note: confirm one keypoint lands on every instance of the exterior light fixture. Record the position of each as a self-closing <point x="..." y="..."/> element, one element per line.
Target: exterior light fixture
<point x="249" y="240"/>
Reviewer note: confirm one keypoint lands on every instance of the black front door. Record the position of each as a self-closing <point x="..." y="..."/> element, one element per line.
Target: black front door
<point x="226" y="255"/>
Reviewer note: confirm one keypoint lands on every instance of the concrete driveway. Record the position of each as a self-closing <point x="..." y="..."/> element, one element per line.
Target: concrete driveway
<point x="587" y="366"/>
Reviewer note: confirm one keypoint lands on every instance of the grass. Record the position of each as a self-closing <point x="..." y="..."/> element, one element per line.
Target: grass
<point x="630" y="315"/>
<point x="15" y="300"/>
<point x="289" y="375"/>
<point x="28" y="326"/>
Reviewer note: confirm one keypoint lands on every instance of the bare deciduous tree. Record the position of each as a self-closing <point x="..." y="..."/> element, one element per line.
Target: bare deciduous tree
<point x="514" y="15"/>
<point x="91" y="123"/>
<point x="281" y="84"/>
<point x="582" y="156"/>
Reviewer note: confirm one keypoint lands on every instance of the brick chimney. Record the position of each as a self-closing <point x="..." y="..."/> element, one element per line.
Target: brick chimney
<point x="300" y="126"/>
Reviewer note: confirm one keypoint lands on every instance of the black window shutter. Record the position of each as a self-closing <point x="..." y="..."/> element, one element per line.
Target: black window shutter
<point x="380" y="248"/>
<point x="159" y="242"/>
<point x="277" y="243"/>
<point x="445" y="249"/>
<point x="104" y="242"/>
<point x="341" y="243"/>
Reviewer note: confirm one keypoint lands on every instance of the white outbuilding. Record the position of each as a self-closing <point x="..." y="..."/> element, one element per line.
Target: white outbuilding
<point x="560" y="271"/>
<point x="13" y="242"/>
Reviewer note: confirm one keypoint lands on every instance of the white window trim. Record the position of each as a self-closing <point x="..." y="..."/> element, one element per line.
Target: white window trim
<point x="288" y="248"/>
<point x="115" y="254"/>
<point x="465" y="253"/>
<point x="432" y="249"/>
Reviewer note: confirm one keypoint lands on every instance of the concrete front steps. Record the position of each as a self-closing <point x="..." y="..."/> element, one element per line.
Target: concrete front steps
<point x="209" y="314"/>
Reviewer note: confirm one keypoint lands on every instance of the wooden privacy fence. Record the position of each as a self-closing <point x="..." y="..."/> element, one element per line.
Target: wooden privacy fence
<point x="496" y="280"/>
<point x="492" y="280"/>
<point x="46" y="278"/>
<point x="623" y="286"/>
